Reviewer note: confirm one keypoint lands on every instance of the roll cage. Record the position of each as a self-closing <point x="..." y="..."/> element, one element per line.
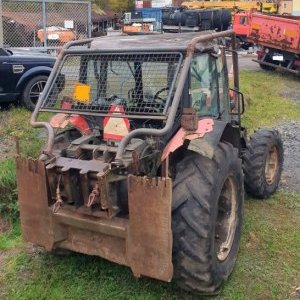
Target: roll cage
<point x="198" y="44"/>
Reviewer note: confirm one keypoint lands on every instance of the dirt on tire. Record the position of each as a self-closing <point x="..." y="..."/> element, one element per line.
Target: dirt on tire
<point x="262" y="179"/>
<point x="197" y="241"/>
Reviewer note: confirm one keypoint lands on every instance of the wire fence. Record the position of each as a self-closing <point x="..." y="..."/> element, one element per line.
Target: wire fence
<point x="44" y="23"/>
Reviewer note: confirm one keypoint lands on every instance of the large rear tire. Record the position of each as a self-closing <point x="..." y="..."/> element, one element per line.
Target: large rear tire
<point x="262" y="163"/>
<point x="207" y="218"/>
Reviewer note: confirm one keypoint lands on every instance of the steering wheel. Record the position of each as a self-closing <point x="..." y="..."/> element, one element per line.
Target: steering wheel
<point x="157" y="97"/>
<point x="111" y="97"/>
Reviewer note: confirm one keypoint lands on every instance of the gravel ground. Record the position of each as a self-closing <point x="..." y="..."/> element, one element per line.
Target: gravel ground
<point x="291" y="169"/>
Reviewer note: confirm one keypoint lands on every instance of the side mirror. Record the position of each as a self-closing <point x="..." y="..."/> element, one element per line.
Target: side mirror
<point x="237" y="102"/>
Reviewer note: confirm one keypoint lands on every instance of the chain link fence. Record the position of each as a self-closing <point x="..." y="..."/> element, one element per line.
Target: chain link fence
<point x="45" y="23"/>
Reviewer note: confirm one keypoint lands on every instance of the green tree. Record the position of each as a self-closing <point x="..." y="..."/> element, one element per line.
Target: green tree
<point x="115" y="5"/>
<point x="121" y="5"/>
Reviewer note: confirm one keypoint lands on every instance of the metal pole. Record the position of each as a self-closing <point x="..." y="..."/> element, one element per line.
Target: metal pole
<point x="90" y="24"/>
<point x="44" y="21"/>
<point x="1" y="26"/>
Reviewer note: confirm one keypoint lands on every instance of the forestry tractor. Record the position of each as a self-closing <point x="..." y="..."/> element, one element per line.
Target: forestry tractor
<point x="146" y="159"/>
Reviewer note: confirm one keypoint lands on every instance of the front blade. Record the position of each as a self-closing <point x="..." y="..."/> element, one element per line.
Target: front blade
<point x="33" y="202"/>
<point x="149" y="242"/>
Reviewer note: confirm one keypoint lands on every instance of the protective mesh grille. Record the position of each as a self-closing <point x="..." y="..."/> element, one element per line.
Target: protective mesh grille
<point x="140" y="83"/>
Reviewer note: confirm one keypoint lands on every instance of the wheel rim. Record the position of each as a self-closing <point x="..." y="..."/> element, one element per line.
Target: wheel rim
<point x="226" y="219"/>
<point x="35" y="91"/>
<point x="271" y="168"/>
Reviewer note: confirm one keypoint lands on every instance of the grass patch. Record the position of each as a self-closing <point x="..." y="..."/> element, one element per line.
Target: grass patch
<point x="17" y="125"/>
<point x="265" y="104"/>
<point x="11" y="238"/>
<point x="8" y="194"/>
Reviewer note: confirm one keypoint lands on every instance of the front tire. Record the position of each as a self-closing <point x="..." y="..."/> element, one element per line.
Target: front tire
<point x="207" y="213"/>
<point x="263" y="162"/>
<point x="32" y="91"/>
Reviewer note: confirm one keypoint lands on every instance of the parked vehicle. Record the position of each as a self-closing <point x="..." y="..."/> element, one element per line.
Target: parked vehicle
<point x="277" y="36"/>
<point x="241" y="26"/>
<point x="144" y="159"/>
<point x="23" y="75"/>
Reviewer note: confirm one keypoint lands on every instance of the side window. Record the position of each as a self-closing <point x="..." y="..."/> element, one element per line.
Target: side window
<point x="244" y="21"/>
<point x="204" y="85"/>
<point x="223" y="84"/>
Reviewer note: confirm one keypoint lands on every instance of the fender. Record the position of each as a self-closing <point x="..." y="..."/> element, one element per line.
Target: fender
<point x="40" y="70"/>
<point x="203" y="141"/>
<point x="204" y="144"/>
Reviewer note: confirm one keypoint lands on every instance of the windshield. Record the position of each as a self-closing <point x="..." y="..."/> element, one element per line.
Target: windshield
<point x="141" y="83"/>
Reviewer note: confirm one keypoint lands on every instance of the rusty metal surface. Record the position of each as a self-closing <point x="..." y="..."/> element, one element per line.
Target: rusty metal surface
<point x="275" y="32"/>
<point x="33" y="202"/>
<point x="204" y="126"/>
<point x="84" y="166"/>
<point x="149" y="241"/>
<point x="189" y="119"/>
<point x="167" y="41"/>
<point x="143" y="242"/>
<point x="115" y="227"/>
<point x="94" y="243"/>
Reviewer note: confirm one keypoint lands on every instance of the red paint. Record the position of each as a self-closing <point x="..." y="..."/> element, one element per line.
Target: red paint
<point x="80" y="123"/>
<point x="115" y="109"/>
<point x="260" y="53"/>
<point x="66" y="104"/>
<point x="241" y="23"/>
<point x="297" y="63"/>
<point x="204" y="126"/>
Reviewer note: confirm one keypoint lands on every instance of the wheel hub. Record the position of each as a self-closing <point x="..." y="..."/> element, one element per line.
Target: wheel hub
<point x="226" y="219"/>
<point x="272" y="163"/>
<point x="36" y="90"/>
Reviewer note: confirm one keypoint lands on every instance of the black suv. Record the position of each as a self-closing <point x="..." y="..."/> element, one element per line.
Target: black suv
<point x="23" y="75"/>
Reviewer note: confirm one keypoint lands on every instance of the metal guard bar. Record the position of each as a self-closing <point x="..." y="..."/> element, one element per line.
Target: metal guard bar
<point x="141" y="131"/>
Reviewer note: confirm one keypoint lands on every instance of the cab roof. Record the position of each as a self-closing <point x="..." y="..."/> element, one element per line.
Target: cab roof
<point x="153" y="42"/>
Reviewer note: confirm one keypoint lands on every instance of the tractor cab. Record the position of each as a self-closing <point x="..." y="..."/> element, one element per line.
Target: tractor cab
<point x="126" y="80"/>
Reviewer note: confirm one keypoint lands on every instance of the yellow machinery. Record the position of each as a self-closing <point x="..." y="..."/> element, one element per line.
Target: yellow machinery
<point x="265" y="7"/>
